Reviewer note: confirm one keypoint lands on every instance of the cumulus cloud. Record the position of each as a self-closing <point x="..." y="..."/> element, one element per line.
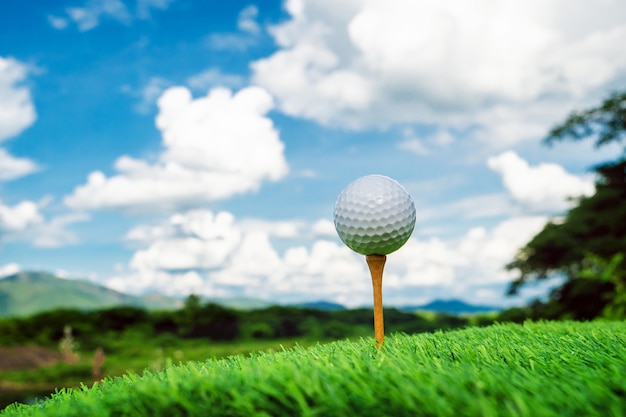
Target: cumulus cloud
<point x="324" y="227"/>
<point x="196" y="240"/>
<point x="216" y="255"/>
<point x="476" y="258"/>
<point x="458" y="267"/>
<point x="18" y="111"/>
<point x="9" y="269"/>
<point x="54" y="233"/>
<point x="542" y="188"/>
<point x="24" y="221"/>
<point x="12" y="167"/>
<point x="19" y="217"/>
<point x="286" y="229"/>
<point x="449" y="63"/>
<point x="475" y="207"/>
<point x="215" y="147"/>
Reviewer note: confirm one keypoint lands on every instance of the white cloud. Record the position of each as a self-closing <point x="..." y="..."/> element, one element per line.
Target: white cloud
<point x="214" y="148"/>
<point x="417" y="144"/>
<point x="217" y="255"/>
<point x="9" y="269"/>
<point x="17" y="114"/>
<point x="24" y="221"/>
<point x="12" y="167"/>
<point x="249" y="29"/>
<point x="19" y="217"/>
<point x="324" y="227"/>
<point x="214" y="255"/>
<point x="287" y="229"/>
<point x="542" y="188"/>
<point x="247" y="20"/>
<point x="229" y="41"/>
<point x="196" y="240"/>
<point x="18" y="111"/>
<point x="88" y="17"/>
<point x="92" y="12"/>
<point x="144" y="6"/>
<point x="213" y="77"/>
<point x="506" y="70"/>
<point x="457" y="267"/>
<point x="149" y="94"/>
<point x="474" y="207"/>
<point x="54" y="233"/>
<point x="58" y="22"/>
<point x="414" y="145"/>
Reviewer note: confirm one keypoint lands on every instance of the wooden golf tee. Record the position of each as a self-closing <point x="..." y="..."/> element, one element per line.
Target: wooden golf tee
<point x="376" y="264"/>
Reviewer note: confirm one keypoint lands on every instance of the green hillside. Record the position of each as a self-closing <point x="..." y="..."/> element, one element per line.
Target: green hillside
<point x="26" y="293"/>
<point x="536" y="369"/>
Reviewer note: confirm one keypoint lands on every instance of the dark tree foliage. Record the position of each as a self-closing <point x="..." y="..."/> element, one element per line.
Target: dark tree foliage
<point x="163" y="322"/>
<point x="113" y="327"/>
<point x="596" y="227"/>
<point x="48" y="326"/>
<point x="606" y="122"/>
<point x="119" y="318"/>
<point x="581" y="299"/>
<point x="211" y="321"/>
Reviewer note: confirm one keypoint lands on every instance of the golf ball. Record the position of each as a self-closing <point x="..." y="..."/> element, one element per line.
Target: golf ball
<point x="374" y="215"/>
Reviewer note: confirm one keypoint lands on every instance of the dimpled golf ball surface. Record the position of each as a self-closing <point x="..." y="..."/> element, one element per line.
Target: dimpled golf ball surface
<point x="374" y="215"/>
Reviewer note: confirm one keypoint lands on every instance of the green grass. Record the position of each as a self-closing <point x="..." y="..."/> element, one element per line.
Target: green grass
<point x="538" y="369"/>
<point x="132" y="355"/>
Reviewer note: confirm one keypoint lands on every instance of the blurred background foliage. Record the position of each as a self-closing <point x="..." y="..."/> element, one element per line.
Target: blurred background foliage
<point x="586" y="247"/>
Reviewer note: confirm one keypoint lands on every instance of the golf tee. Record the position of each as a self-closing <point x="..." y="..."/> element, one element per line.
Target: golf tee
<point x="376" y="264"/>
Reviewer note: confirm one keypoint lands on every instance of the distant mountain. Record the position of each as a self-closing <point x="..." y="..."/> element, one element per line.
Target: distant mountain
<point x="321" y="305"/>
<point x="450" y="307"/>
<point x="27" y="293"/>
<point x="438" y="306"/>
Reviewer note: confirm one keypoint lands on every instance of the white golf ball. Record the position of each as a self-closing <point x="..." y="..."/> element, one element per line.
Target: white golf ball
<point x="374" y="215"/>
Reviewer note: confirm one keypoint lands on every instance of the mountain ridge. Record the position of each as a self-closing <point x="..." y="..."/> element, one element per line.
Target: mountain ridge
<point x="451" y="306"/>
<point x="26" y="293"/>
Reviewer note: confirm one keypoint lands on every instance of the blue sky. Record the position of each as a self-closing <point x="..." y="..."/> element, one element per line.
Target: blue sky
<point x="183" y="146"/>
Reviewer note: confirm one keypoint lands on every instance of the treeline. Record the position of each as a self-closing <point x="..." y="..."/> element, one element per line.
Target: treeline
<point x="212" y="322"/>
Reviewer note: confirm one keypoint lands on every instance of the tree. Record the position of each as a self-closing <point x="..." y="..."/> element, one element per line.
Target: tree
<point x="596" y="227"/>
<point x="188" y="317"/>
<point x="119" y="318"/>
<point x="612" y="274"/>
<point x="210" y="320"/>
<point x="606" y="122"/>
